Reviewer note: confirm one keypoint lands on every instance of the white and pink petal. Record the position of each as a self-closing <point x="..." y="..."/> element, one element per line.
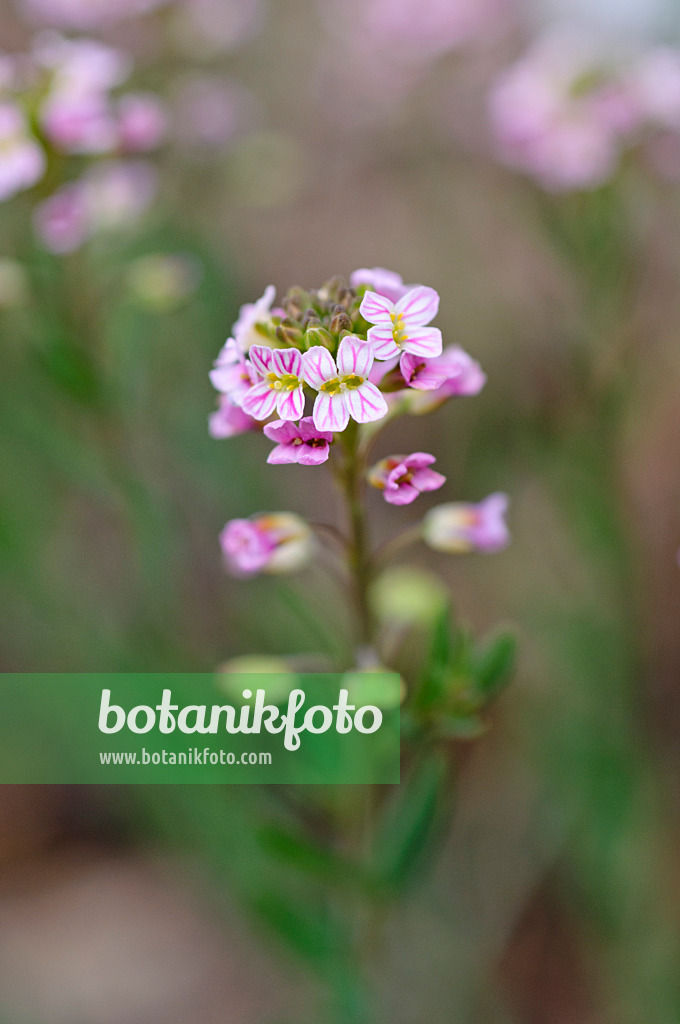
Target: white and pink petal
<point x="318" y="366"/>
<point x="355" y="357"/>
<point x="260" y="401"/>
<point x="424" y="341"/>
<point x="330" y="412"/>
<point x="376" y="308"/>
<point x="290" y="405"/>
<point x="418" y="307"/>
<point x="366" y="404"/>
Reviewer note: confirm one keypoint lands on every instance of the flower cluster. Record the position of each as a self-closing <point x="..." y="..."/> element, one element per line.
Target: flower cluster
<point x="325" y="364"/>
<point x="565" y="113"/>
<point x="63" y="100"/>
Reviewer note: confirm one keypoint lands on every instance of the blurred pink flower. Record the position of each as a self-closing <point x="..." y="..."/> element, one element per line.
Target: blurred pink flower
<point x="344" y="389"/>
<point x="562" y="114"/>
<point x="111" y="196"/>
<point x="301" y="443"/>
<point x="457" y="527"/>
<point x="119" y="192"/>
<point x="402" y="327"/>
<point x="384" y="282"/>
<point x="231" y="374"/>
<point x="22" y="160"/>
<point x="86" y="14"/>
<point x="77" y="115"/>
<point x="229" y="420"/>
<point x="413" y="31"/>
<point x="402" y="478"/>
<point x="245" y="329"/>
<point x="655" y="86"/>
<point x="142" y="122"/>
<point x="273" y="542"/>
<point x="61" y="222"/>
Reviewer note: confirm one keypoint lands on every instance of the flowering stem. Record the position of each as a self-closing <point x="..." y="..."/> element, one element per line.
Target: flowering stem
<point x="358" y="554"/>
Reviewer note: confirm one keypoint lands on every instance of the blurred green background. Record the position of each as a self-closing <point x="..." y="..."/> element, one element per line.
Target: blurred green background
<point x="555" y="894"/>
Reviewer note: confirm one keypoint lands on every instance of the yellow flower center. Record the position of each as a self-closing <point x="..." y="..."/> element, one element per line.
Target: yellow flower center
<point x="289" y="382"/>
<point x="350" y="382"/>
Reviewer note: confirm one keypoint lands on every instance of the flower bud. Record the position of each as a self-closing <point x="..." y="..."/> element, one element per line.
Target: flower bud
<point x="318" y="335"/>
<point x="458" y="528"/>
<point x="274" y="542"/>
<point x="296" y="302"/>
<point x="289" y="334"/>
<point x="340" y="321"/>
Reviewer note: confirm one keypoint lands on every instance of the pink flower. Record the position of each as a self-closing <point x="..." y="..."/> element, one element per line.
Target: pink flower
<point x="111" y="196"/>
<point x="344" y="388"/>
<point x="273" y="542"/>
<point x="454" y="372"/>
<point x="278" y="383"/>
<point x="81" y="124"/>
<point x="142" y="122"/>
<point x="22" y="161"/>
<point x="229" y="421"/>
<point x="62" y="222"/>
<point x="301" y="443"/>
<point x="655" y="86"/>
<point x="562" y="115"/>
<point x="402" y="327"/>
<point x="231" y="374"/>
<point x="119" y="192"/>
<point x="245" y="329"/>
<point x="384" y="282"/>
<point x="458" y="528"/>
<point x="402" y="478"/>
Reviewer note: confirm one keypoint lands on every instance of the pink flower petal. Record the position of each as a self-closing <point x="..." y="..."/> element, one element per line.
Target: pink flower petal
<point x="330" y="412"/>
<point x="427" y="480"/>
<point x="424" y="341"/>
<point x="354" y="357"/>
<point x="284" y="454"/>
<point x="281" y="431"/>
<point x="260" y="401"/>
<point x="262" y="358"/>
<point x="376" y="308"/>
<point x="286" y="361"/>
<point x="421" y="373"/>
<point x="310" y="456"/>
<point x="318" y="366"/>
<point x="383" y="345"/>
<point x="419" y="306"/>
<point x="290" y="405"/>
<point x="419" y="460"/>
<point x="404" y="494"/>
<point x="308" y="432"/>
<point x="366" y="403"/>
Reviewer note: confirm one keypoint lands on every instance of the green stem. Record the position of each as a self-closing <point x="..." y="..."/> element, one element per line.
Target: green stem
<point x="352" y="481"/>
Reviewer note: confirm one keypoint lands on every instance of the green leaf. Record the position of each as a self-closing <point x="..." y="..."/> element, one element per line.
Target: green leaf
<point x="407" y="835"/>
<point x="306" y="856"/>
<point x="493" y="667"/>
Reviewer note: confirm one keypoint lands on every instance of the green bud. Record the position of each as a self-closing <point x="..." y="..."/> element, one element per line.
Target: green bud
<point x="296" y="302"/>
<point x="405" y="595"/>
<point x="318" y="335"/>
<point x="289" y="334"/>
